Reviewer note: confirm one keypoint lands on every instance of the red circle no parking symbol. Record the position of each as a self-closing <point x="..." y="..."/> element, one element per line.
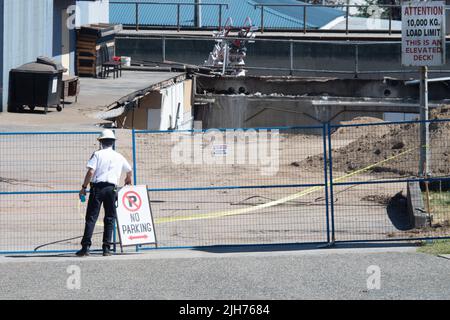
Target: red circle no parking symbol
<point x="132" y="201"/>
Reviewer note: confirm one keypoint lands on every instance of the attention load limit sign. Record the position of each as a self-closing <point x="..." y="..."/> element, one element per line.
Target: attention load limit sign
<point x="134" y="216"/>
<point x="423" y="33"/>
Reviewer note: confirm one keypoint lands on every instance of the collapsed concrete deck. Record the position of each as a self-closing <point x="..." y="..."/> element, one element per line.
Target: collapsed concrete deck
<point x="96" y="96"/>
<point x="291" y="101"/>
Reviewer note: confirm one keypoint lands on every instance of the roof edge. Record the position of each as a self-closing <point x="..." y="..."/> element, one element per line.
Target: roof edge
<point x="281" y="15"/>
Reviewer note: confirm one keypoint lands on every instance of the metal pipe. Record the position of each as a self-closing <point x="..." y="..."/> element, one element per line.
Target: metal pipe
<point x="304" y="19"/>
<point x="390" y="21"/>
<point x="327" y="5"/>
<point x="331" y="195"/>
<point x="346" y="18"/>
<point x="343" y="71"/>
<point x="220" y="18"/>
<point x="424" y="162"/>
<point x="168" y="3"/>
<point x="414" y="82"/>
<point x="225" y="59"/>
<point x="262" y="19"/>
<point x="197" y="14"/>
<point x="427" y="194"/>
<point x="325" y="169"/>
<point x="208" y="38"/>
<point x="137" y="16"/>
<point x="164" y="49"/>
<point x="133" y="142"/>
<point x="178" y="17"/>
<point x="291" y="58"/>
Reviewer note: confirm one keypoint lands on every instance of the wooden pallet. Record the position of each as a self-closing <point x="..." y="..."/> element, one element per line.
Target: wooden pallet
<point x="90" y="40"/>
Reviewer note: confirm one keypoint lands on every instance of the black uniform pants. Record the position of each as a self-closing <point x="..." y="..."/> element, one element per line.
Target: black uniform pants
<point x="100" y="193"/>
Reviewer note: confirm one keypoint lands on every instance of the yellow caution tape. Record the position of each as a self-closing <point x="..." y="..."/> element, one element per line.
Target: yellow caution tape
<point x="273" y="203"/>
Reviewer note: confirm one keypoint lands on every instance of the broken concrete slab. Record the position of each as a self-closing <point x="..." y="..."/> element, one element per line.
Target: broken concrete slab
<point x="416" y="206"/>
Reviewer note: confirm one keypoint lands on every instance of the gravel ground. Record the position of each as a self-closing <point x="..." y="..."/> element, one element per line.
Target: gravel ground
<point x="240" y="273"/>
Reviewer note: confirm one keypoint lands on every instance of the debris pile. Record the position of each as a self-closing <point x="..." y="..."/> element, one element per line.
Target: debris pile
<point x="389" y="150"/>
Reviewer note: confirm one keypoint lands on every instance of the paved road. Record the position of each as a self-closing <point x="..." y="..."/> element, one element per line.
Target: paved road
<point x="339" y="273"/>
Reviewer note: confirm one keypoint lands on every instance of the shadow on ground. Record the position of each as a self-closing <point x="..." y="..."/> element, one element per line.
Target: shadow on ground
<point x="303" y="247"/>
<point x="239" y="249"/>
<point x="65" y="255"/>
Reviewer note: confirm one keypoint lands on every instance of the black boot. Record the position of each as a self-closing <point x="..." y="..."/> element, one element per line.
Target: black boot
<point x="106" y="250"/>
<point x="83" y="252"/>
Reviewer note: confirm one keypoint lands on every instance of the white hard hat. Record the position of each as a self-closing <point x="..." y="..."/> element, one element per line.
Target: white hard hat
<point x="107" y="134"/>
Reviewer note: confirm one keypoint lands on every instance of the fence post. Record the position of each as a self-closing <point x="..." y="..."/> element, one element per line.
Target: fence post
<point x="220" y="17"/>
<point x="133" y="132"/>
<point x="164" y="48"/>
<point x="325" y="170"/>
<point x="424" y="160"/>
<point x="347" y="17"/>
<point x="330" y="163"/>
<point x="133" y="140"/>
<point x="356" y="60"/>
<point x="291" y="57"/>
<point x="262" y="19"/>
<point x="115" y="219"/>
<point x="178" y="17"/>
<point x="137" y="16"/>
<point x="390" y="20"/>
<point x="304" y="19"/>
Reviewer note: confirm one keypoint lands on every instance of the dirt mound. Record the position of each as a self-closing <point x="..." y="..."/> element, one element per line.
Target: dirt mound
<point x="356" y="132"/>
<point x="391" y="150"/>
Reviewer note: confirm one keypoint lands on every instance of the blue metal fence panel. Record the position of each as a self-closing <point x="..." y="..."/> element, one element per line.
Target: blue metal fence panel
<point x="40" y="176"/>
<point x="348" y="183"/>
<point x="371" y="180"/>
<point x="206" y="187"/>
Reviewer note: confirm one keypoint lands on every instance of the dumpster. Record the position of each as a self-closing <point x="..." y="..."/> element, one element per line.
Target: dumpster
<point x="36" y="84"/>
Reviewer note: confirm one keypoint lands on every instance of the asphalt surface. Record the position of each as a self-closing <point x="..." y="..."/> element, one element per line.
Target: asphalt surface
<point x="238" y="273"/>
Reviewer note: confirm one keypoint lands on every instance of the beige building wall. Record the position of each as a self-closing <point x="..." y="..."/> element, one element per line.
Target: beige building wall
<point x="158" y="109"/>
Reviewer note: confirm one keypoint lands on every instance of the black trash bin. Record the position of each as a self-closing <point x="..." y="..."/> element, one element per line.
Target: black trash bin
<point x="36" y="84"/>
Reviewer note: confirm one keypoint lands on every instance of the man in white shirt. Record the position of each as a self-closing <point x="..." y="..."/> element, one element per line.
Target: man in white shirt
<point x="104" y="170"/>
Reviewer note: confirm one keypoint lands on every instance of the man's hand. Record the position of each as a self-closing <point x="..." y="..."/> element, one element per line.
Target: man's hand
<point x="82" y="192"/>
<point x="128" y="179"/>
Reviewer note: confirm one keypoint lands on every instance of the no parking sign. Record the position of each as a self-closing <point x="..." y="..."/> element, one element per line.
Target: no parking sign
<point x="134" y="216"/>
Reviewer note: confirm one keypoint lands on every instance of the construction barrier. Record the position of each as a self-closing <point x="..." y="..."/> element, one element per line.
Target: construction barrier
<point x="318" y="184"/>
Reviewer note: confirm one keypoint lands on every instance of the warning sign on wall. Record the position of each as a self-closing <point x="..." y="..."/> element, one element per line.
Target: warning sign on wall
<point x="423" y="33"/>
<point x="134" y="216"/>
